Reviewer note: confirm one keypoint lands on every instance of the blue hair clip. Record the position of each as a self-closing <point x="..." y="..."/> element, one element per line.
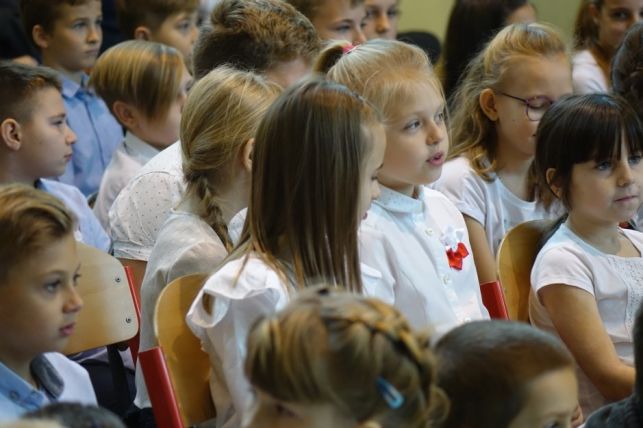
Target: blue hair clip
<point x="389" y="393"/>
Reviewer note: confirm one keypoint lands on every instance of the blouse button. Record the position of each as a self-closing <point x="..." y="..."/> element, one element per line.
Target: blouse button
<point x="446" y="279"/>
<point x="14" y="396"/>
<point x="429" y="232"/>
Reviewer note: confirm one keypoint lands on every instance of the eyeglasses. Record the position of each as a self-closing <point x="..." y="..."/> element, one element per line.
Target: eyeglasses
<point x="535" y="107"/>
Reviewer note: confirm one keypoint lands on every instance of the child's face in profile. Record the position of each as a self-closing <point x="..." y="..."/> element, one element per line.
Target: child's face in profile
<point x="381" y="21"/>
<point x="337" y="20"/>
<point x="179" y="31"/>
<point x="46" y="139"/>
<point x="369" y="188"/>
<point x="551" y="401"/>
<point x="268" y="411"/>
<point x="74" y="42"/>
<point x="39" y="303"/>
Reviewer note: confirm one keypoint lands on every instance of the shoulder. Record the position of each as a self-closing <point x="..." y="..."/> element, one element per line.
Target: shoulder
<point x="64" y="191"/>
<point x="458" y="175"/>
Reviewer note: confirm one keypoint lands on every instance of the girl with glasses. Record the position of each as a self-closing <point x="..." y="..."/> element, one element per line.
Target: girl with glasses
<point x="498" y="105"/>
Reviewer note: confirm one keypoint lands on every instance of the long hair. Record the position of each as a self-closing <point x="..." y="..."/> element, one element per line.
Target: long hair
<point x="360" y="346"/>
<point x="627" y="68"/>
<point x="222" y="112"/>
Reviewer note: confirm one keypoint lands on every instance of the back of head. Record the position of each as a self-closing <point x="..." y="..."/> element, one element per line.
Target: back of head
<point x="222" y="112"/>
<point x="253" y="35"/>
<point x="627" y="68"/>
<point x="144" y="74"/>
<point x="365" y="361"/>
<point x="581" y="128"/>
<point x="44" y="13"/>
<point x="471" y="25"/>
<point x="19" y="85"/>
<point x="474" y="133"/>
<point x="76" y="415"/>
<point x="484" y="368"/>
<point x="385" y="72"/>
<point x="149" y="13"/>
<point x="30" y="220"/>
<point x="310" y="149"/>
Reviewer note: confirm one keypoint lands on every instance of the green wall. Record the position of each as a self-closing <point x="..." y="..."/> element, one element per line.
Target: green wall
<point x="432" y="15"/>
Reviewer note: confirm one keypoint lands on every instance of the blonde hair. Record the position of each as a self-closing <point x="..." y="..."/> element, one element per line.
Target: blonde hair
<point x="348" y="351"/>
<point x="474" y="134"/>
<point x="145" y="74"/>
<point x="222" y="112"/>
<point x="30" y="220"/>
<point x="382" y="71"/>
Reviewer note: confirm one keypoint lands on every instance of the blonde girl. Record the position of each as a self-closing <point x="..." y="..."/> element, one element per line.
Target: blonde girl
<point x="587" y="279"/>
<point x="335" y="19"/>
<point x="506" y="90"/>
<point x="414" y="236"/>
<point x="220" y="119"/>
<point x="313" y="166"/>
<point x="600" y="27"/>
<point x="144" y="84"/>
<point x="365" y="367"/>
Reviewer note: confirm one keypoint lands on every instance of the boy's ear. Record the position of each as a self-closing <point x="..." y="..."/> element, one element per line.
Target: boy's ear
<point x="11" y="134"/>
<point x="40" y="36"/>
<point x="142" y="33"/>
<point x="124" y="114"/>
<point x="487" y="102"/>
<point x="553" y="185"/>
<point x="246" y="154"/>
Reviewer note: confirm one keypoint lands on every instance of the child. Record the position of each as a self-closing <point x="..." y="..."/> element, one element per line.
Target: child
<point x="265" y="36"/>
<point x="381" y="21"/>
<point x="412" y="234"/>
<point x="170" y="22"/>
<point x="220" y="120"/>
<point x="38" y="303"/>
<point x="335" y="19"/>
<point x="472" y="23"/>
<point x="502" y="374"/>
<point x="508" y="87"/>
<point x="599" y="29"/>
<point x="76" y="415"/>
<point x="68" y="34"/>
<point x="366" y="367"/>
<point x="144" y="85"/>
<point x="36" y="142"/>
<point x="313" y="177"/>
<point x="627" y="77"/>
<point x="586" y="280"/>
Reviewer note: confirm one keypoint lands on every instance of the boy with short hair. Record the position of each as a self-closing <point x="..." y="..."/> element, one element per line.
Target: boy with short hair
<point x="38" y="303"/>
<point x="170" y="22"/>
<point x="36" y="142"/>
<point x="68" y="34"/>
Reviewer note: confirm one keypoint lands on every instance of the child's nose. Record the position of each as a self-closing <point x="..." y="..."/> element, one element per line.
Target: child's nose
<point x="94" y="33"/>
<point x="70" y="136"/>
<point x="626" y="176"/>
<point x="435" y="134"/>
<point x="358" y="37"/>
<point x="382" y="25"/>
<point x="74" y="302"/>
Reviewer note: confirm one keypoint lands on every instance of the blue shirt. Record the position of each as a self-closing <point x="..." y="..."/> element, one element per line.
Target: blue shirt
<point x="58" y="378"/>
<point x="98" y="135"/>
<point x="89" y="230"/>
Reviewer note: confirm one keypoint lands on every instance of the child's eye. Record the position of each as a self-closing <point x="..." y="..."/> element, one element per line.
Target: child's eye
<point x="439" y="118"/>
<point x="343" y="28"/>
<point x="634" y="159"/>
<point x="99" y="22"/>
<point x="76" y="278"/>
<point x="52" y="287"/>
<point x="603" y="166"/>
<point x="553" y="425"/>
<point x="393" y="13"/>
<point x="283" y="411"/>
<point x="78" y="25"/>
<point x="412" y="125"/>
<point x="184" y="26"/>
<point x="620" y="15"/>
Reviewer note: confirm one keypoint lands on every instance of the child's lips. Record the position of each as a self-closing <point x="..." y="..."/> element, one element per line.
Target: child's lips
<point x="437" y="159"/>
<point x="67" y="330"/>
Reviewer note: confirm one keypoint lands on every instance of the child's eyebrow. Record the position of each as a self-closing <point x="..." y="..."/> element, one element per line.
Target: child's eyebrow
<point x="59" y="116"/>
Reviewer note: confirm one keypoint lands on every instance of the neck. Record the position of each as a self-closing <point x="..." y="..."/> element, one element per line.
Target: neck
<point x="75" y="76"/>
<point x="602" y="235"/>
<point x="407" y="189"/>
<point x="512" y="163"/>
<point x="234" y="199"/>
<point x="20" y="365"/>
<point x="12" y="172"/>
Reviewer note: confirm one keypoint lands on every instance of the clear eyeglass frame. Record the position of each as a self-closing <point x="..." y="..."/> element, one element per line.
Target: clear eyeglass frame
<point x="535" y="107"/>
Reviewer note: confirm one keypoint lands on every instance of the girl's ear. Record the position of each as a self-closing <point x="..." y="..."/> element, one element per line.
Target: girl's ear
<point x="594" y="12"/>
<point x="142" y="33"/>
<point x="246" y="154"/>
<point x="487" y="102"/>
<point x="11" y="134"/>
<point x="40" y="36"/>
<point x="125" y="114"/>
<point x="553" y="185"/>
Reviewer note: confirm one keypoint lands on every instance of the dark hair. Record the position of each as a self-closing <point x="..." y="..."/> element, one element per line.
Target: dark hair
<point x="580" y="128"/>
<point x="44" y="13"/>
<point x="252" y="35"/>
<point x="76" y="415"/>
<point x="637" y="337"/>
<point x="149" y="13"/>
<point x="19" y="85"/>
<point x="485" y="366"/>
<point x="472" y="23"/>
<point x="627" y="68"/>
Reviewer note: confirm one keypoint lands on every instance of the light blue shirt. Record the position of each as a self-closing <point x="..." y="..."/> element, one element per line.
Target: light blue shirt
<point x="59" y="379"/>
<point x="98" y="135"/>
<point x="89" y="231"/>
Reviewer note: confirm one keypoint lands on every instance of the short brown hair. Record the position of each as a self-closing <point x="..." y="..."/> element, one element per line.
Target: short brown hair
<point x="18" y="86"/>
<point x="150" y="13"/>
<point x="310" y="8"/>
<point x="253" y="35"/>
<point x="145" y="74"/>
<point x="44" y="13"/>
<point x="30" y="220"/>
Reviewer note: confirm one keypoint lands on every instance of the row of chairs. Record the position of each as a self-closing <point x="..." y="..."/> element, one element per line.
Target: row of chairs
<point x="177" y="371"/>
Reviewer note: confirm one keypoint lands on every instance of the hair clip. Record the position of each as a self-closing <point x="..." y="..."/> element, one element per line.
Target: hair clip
<point x="348" y="49"/>
<point x="389" y="393"/>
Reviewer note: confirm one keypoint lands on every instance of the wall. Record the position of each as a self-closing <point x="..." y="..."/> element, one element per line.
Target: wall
<point x="433" y="15"/>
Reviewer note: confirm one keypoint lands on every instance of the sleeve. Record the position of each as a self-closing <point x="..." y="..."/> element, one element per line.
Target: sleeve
<point x="464" y="189"/>
<point x="138" y="213"/>
<point x="587" y="77"/>
<point x="202" y="257"/>
<point x="560" y="265"/>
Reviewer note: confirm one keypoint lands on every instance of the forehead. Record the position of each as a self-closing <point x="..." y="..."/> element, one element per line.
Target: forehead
<point x="67" y="12"/>
<point x="337" y="10"/>
<point x="381" y="4"/>
<point x="45" y="102"/>
<point x="627" y="4"/>
<point x="416" y="96"/>
<point x="529" y="76"/>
